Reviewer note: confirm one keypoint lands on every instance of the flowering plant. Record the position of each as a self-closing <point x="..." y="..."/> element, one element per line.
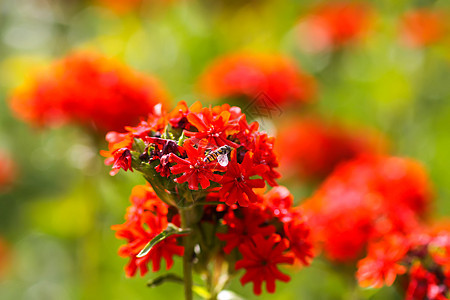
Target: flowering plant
<point x="418" y="262"/>
<point x="206" y="169"/>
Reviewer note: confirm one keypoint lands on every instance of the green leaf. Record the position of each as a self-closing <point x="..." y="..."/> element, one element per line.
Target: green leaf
<point x="169" y="231"/>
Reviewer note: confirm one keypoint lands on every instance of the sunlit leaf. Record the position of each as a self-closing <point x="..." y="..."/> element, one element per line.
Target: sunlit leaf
<point x="169" y="231"/>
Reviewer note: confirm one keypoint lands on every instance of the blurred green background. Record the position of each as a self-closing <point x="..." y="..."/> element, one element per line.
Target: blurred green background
<point x="55" y="218"/>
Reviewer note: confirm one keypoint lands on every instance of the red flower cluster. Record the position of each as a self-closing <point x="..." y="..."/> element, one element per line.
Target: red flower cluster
<point x="205" y="131"/>
<point x="215" y="163"/>
<point x="146" y="217"/>
<point x="246" y="75"/>
<point x="334" y="24"/>
<point x="365" y="199"/>
<point x="267" y="233"/>
<point x="422" y="27"/>
<point x="421" y="258"/>
<point x="88" y="89"/>
<point x="316" y="147"/>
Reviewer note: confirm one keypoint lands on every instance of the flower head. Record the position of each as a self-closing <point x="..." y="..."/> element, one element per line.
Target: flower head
<point x="365" y="199"/>
<point x="422" y="27"/>
<point x="208" y="168"/>
<point x="185" y="145"/>
<point x="334" y="24"/>
<point x="316" y="147"/>
<point x="248" y="74"/>
<point x="88" y="89"/>
<point x="412" y="256"/>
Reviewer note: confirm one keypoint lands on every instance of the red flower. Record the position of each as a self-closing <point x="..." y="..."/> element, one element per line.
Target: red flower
<point x="316" y="147"/>
<point x="298" y="234"/>
<point x="213" y="128"/>
<point x="248" y="74"/>
<point x="88" y="89"/>
<point x="278" y="202"/>
<point x="422" y="27"/>
<point x="194" y="169"/>
<point x="365" y="199"/>
<point x="334" y="24"/>
<point x="260" y="259"/>
<point x="145" y="219"/>
<point x="241" y="229"/>
<point x="422" y="284"/>
<point x="122" y="160"/>
<point x="424" y="274"/>
<point x="236" y="183"/>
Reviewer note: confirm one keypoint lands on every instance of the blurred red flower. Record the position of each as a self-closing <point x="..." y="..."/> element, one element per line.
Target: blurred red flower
<point x="422" y="27"/>
<point x="122" y="6"/>
<point x="333" y="24"/>
<point x="364" y="199"/>
<point x="88" y="89"/>
<point x="245" y="75"/>
<point x="311" y="148"/>
<point x="421" y="257"/>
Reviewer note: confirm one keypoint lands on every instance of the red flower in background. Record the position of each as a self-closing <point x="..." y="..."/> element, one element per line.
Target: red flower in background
<point x="422" y="27"/>
<point x="260" y="259"/>
<point x="365" y="199"/>
<point x="248" y="74"/>
<point x="146" y="218"/>
<point x="413" y="255"/>
<point x="311" y="148"/>
<point x="88" y="89"/>
<point x="334" y="24"/>
<point x="122" y="6"/>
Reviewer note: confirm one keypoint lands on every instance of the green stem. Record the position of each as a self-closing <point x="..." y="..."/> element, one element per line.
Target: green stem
<point x="188" y="253"/>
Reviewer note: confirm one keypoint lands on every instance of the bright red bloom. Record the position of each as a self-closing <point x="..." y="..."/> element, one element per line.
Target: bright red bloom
<point x="260" y="259"/>
<point x="422" y="27"/>
<point x="317" y="147"/>
<point x="365" y="199"/>
<point x="236" y="183"/>
<point x="193" y="168"/>
<point x="249" y="74"/>
<point x="146" y="218"/>
<point x="213" y="128"/>
<point x="334" y="24"/>
<point x="207" y="129"/>
<point x="241" y="229"/>
<point x="88" y="89"/>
